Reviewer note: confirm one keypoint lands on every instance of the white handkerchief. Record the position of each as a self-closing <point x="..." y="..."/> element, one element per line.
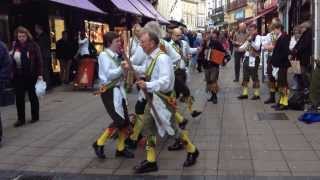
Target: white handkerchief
<point x="252" y="61"/>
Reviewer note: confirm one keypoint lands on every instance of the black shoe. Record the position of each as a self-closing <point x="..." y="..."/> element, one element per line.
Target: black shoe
<point x="281" y="108"/>
<point x="255" y="97"/>
<point x="125" y="153"/>
<point x="195" y="113"/>
<point x="211" y="98"/>
<point x="236" y="80"/>
<point x="34" y="121"/>
<point x="19" y="123"/>
<point x="191" y="159"/>
<point x="131" y="144"/>
<point x="183" y="124"/>
<point x="145" y="167"/>
<point x="176" y="146"/>
<point x="243" y="97"/>
<point x="99" y="150"/>
<point x="215" y="99"/>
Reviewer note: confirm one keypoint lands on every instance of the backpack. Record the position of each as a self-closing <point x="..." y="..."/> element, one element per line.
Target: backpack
<point x="297" y="101"/>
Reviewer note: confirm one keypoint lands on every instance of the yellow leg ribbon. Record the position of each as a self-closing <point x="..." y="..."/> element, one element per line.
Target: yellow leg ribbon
<point x="256" y="92"/>
<point x="105" y="136"/>
<point x="138" y="125"/>
<point x="120" y="140"/>
<point x="245" y="91"/>
<point x="179" y="118"/>
<point x="150" y="148"/>
<point x="187" y="142"/>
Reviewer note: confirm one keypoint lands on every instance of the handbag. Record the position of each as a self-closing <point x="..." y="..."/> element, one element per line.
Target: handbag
<point x="217" y="56"/>
<point x="295" y="66"/>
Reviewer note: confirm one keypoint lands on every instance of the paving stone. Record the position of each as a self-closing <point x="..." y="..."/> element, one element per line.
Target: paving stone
<point x="236" y="165"/>
<point x="267" y="155"/>
<point x="300" y="156"/>
<point x="304" y="166"/>
<point x="260" y="165"/>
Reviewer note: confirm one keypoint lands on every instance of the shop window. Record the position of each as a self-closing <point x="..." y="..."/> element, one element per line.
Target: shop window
<point x="57" y="26"/>
<point x="96" y="30"/>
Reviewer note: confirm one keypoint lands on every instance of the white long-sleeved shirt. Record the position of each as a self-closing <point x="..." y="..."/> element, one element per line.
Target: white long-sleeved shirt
<point x="139" y="56"/>
<point x="134" y="44"/>
<point x="186" y="50"/>
<point x="162" y="77"/>
<point x="108" y="69"/>
<point x="83" y="46"/>
<point x="170" y="51"/>
<point x="256" y="44"/>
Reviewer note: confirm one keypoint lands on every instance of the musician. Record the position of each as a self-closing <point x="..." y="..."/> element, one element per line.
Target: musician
<point x="159" y="81"/>
<point x="269" y="46"/>
<point x="251" y="63"/>
<point x="211" y="68"/>
<point x="113" y="97"/>
<point x="279" y="60"/>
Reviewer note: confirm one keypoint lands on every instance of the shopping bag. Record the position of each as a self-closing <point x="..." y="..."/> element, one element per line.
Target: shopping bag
<point x="41" y="87"/>
<point x="295" y="65"/>
<point x="217" y="56"/>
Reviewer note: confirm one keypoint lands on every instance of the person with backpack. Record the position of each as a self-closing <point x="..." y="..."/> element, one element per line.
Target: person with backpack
<point x="4" y="73"/>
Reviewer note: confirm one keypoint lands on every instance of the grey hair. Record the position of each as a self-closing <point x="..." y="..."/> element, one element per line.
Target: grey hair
<point x="153" y="35"/>
<point x="154" y="26"/>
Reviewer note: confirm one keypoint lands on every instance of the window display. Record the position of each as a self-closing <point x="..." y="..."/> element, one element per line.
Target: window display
<point x="96" y="30"/>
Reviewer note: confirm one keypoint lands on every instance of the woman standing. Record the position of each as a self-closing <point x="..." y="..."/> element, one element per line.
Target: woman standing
<point x="27" y="69"/>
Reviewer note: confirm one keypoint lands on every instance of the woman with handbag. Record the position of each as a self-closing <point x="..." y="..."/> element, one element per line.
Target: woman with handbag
<point x="27" y="69"/>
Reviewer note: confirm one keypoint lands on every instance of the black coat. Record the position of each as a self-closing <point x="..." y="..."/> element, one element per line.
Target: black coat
<point x="303" y="48"/>
<point x="281" y="52"/>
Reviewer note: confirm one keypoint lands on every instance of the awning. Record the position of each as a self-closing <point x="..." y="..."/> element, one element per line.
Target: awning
<point x="266" y="11"/>
<point x="82" y="4"/>
<point x="142" y="9"/>
<point x="126" y="6"/>
<point x="155" y="13"/>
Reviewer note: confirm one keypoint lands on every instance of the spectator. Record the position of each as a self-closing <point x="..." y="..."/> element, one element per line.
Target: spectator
<point x="239" y="38"/>
<point x="43" y="41"/>
<point x="27" y="69"/>
<point x="293" y="41"/>
<point x="303" y="52"/>
<point x="4" y="73"/>
<point x="64" y="54"/>
<point x="83" y="51"/>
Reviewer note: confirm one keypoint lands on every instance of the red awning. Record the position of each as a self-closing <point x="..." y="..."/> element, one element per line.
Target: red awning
<point x="82" y="4"/>
<point x="266" y="11"/>
<point x="155" y="13"/>
<point x="125" y="5"/>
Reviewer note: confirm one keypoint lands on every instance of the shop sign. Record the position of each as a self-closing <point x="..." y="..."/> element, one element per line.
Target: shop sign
<point x="239" y="14"/>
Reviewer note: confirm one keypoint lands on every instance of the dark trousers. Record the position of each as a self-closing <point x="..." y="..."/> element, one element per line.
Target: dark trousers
<point x="251" y="73"/>
<point x="238" y="56"/>
<point x="23" y="86"/>
<point x="303" y="78"/>
<point x="180" y="85"/>
<point x="118" y="121"/>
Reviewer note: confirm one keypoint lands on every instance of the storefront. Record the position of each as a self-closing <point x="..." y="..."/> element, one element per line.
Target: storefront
<point x="95" y="31"/>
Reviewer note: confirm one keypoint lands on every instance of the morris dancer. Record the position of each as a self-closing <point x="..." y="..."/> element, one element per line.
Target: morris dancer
<point x="251" y="63"/>
<point x="113" y="97"/>
<point x="159" y="84"/>
<point x="138" y="59"/>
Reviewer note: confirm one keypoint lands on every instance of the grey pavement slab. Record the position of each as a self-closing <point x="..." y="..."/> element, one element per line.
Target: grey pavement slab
<point x="233" y="142"/>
